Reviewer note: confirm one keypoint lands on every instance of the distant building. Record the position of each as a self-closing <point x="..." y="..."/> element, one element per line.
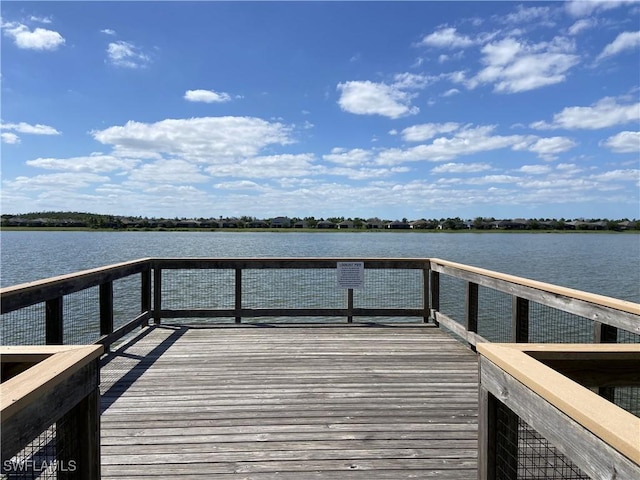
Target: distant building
<point x="325" y="224"/>
<point x="281" y="222"/>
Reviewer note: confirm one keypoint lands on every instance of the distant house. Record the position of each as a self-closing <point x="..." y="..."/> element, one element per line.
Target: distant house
<point x="509" y="224"/>
<point x="345" y="224"/>
<point x="187" y="224"/>
<point x="229" y="223"/>
<point x="301" y="224"/>
<point x="374" y="224"/>
<point x="281" y="222"/>
<point x="257" y="224"/>
<point x="627" y="225"/>
<point x="418" y="224"/>
<point x="398" y="225"/>
<point x="325" y="224"/>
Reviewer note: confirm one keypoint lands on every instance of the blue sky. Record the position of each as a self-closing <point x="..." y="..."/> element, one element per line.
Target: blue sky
<point x="355" y="109"/>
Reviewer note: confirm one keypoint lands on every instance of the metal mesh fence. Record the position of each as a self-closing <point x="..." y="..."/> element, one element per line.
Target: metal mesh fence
<point x="550" y="325"/>
<point x="523" y="454"/>
<point x="26" y="326"/>
<point x="126" y="300"/>
<point x="494" y="315"/>
<point x="81" y="311"/>
<point x="192" y="289"/>
<point x="452" y="298"/>
<point x="51" y="455"/>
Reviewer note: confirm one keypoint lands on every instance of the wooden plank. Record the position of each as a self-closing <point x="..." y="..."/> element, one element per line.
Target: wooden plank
<point x="308" y="402"/>
<point x="615" y="426"/>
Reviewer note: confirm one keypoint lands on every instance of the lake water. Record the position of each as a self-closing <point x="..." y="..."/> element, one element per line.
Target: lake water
<point x="607" y="264"/>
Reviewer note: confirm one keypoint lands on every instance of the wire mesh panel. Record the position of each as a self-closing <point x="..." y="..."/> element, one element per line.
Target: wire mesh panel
<point x="550" y="325"/>
<point x="51" y="455"/>
<point x="126" y="300"/>
<point x="192" y="289"/>
<point x="81" y="312"/>
<point x="628" y="397"/>
<point x="452" y="298"/>
<point x="494" y="314"/>
<point x="390" y="288"/>
<point x="524" y="454"/>
<point x="26" y="326"/>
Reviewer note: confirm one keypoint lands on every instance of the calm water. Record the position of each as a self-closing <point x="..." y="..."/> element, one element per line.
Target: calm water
<point x="608" y="264"/>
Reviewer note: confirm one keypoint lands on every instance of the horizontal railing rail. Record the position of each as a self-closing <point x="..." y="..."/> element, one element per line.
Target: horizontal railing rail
<point x="170" y="288"/>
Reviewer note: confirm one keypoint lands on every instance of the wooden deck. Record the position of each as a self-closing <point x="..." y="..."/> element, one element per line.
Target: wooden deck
<point x="290" y="402"/>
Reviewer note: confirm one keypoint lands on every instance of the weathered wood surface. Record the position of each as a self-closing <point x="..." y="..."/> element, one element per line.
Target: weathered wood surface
<point x="294" y="402"/>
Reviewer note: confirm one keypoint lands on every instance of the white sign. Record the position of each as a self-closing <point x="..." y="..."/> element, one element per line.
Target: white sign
<point x="350" y="274"/>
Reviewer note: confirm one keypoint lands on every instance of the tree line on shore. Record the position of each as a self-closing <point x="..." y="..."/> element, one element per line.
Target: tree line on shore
<point x="116" y="222"/>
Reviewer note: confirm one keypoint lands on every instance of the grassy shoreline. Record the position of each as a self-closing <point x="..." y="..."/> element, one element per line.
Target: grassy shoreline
<point x="305" y="230"/>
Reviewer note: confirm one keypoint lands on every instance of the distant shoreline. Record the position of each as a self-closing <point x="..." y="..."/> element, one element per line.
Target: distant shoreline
<point x="310" y="230"/>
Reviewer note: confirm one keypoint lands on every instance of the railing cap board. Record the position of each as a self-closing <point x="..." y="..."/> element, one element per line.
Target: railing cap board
<point x="286" y="262"/>
<point x="612" y="424"/>
<point x="71" y="276"/>
<point x="623" y="305"/>
<point x="26" y="387"/>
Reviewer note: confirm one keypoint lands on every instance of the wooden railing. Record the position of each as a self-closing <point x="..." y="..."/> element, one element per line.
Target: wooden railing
<point x="419" y="297"/>
<point x="538" y="415"/>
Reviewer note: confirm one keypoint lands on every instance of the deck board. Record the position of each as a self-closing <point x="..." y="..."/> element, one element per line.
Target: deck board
<point x="290" y="402"/>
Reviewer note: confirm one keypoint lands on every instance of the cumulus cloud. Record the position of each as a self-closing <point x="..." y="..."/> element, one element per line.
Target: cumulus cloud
<point x="9" y="138"/>
<point x="23" y="127"/>
<point x="623" y="142"/>
<point x="94" y="163"/>
<point x="108" y="31"/>
<point x="169" y="171"/>
<point x="349" y="158"/>
<point x="64" y="181"/>
<point x="446" y="37"/>
<point x="548" y="148"/>
<point x="581" y="25"/>
<point x="370" y="98"/>
<point x="269" y="166"/>
<point x="513" y="66"/>
<point x="420" y="133"/>
<point x="582" y="8"/>
<point x="126" y="55"/>
<point x="206" y="96"/>
<point x="36" y="39"/>
<point x="461" y="168"/>
<point x="624" y="41"/>
<point x="202" y="139"/>
<point x="535" y="169"/>
<point x="607" y="112"/>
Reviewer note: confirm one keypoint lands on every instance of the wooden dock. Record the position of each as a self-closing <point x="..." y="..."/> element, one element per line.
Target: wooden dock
<point x="290" y="402"/>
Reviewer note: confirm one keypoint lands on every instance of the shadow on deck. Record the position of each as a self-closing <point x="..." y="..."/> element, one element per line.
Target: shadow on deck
<point x="290" y="402"/>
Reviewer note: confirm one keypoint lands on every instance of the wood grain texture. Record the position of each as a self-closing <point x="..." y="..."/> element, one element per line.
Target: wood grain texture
<point x="290" y="402"/>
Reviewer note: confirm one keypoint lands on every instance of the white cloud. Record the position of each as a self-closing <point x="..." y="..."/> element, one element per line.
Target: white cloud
<point x="624" y="41"/>
<point x="528" y="15"/>
<point x="607" y="112"/>
<point x="127" y="55"/>
<point x="37" y="39"/>
<point x="269" y="166"/>
<point x="583" y="8"/>
<point x="108" y="31"/>
<point x="513" y="66"/>
<point x="24" y="127"/>
<point x="632" y="174"/>
<point x="64" y="181"/>
<point x="203" y="139"/>
<point x="349" y="158"/>
<point x="581" y="25"/>
<point x="466" y="141"/>
<point x="547" y="148"/>
<point x="206" y="96"/>
<point x="93" y="163"/>
<point x="446" y="38"/>
<point x="10" y="138"/>
<point x="461" y="168"/>
<point x="420" y="133"/>
<point x="451" y="92"/>
<point x="623" y="142"/>
<point x="169" y="171"/>
<point x="412" y="81"/>
<point x="535" y="169"/>
<point x="238" y="185"/>
<point x="369" y="98"/>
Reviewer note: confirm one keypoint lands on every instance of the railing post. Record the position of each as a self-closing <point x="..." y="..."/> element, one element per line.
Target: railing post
<point x="157" y="295"/>
<point x="425" y="293"/>
<point x="350" y="305"/>
<point x="603" y="333"/>
<point x="106" y="309"/>
<point x="238" y="294"/>
<point x="54" y="329"/>
<point x="520" y="320"/>
<point x="471" y="309"/>
<point x="434" y="287"/>
<point x="145" y="291"/>
<point x="487" y="426"/>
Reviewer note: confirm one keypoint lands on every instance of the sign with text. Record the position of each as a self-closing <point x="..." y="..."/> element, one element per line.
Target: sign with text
<point x="350" y="274"/>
